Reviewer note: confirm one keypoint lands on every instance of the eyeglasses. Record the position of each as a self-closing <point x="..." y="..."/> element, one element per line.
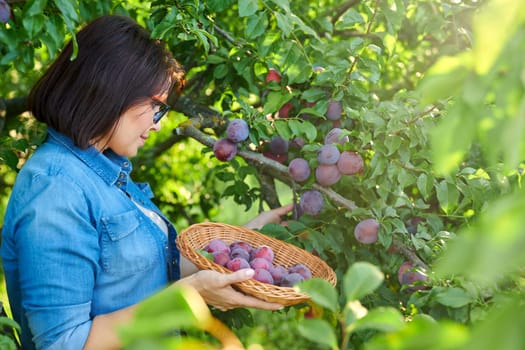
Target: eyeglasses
<point x="164" y="108"/>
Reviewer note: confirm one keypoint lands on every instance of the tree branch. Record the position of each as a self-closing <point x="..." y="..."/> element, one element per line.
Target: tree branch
<point x="342" y="9"/>
<point x="225" y="34"/>
<point x="270" y="166"/>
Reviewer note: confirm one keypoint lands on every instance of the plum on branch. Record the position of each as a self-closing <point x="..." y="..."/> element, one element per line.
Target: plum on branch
<point x="299" y="169"/>
<point x="327" y="174"/>
<point x="237" y="130"/>
<point x="350" y="163"/>
<point x="224" y="150"/>
<point x="311" y="202"/>
<point x="366" y="231"/>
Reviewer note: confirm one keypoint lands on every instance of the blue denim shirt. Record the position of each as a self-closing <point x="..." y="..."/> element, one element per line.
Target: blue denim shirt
<point x="75" y="246"/>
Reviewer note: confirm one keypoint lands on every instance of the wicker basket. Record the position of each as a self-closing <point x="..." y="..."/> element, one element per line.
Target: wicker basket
<point x="197" y="236"/>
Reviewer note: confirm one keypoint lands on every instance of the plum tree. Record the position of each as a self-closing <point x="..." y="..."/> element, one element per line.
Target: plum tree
<point x="335" y="136"/>
<point x="237" y="130"/>
<point x="311" y="202"/>
<point x="366" y="231"/>
<point x="299" y="169"/>
<point x="328" y="154"/>
<point x="224" y="149"/>
<point x="350" y="163"/>
<point x="335" y="109"/>
<point x="229" y="63"/>
<point x="327" y="175"/>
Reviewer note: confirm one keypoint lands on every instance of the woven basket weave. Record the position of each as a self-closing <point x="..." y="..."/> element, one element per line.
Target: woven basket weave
<point x="194" y="238"/>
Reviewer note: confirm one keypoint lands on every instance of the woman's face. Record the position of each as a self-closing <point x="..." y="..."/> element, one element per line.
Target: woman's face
<point x="133" y="128"/>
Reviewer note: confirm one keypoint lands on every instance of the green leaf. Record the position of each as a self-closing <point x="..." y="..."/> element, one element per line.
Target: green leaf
<point x="492" y="247"/>
<point x="283" y="23"/>
<point x="318" y="331"/>
<point x="454" y="297"/>
<point x="501" y="328"/>
<point x="247" y="7"/>
<point x="220" y="71"/>
<point x="423" y="333"/>
<point x="256" y="25"/>
<point x="424" y="185"/>
<point x="215" y="59"/>
<point x="313" y="94"/>
<point x="321" y="292"/>
<point x="284" y="4"/>
<point x="392" y="143"/>
<point x="361" y="279"/>
<point x="68" y="11"/>
<point x="309" y="130"/>
<point x="206" y="254"/>
<point x="448" y="196"/>
<point x="384" y="319"/>
<point x="9" y="322"/>
<point x="349" y="19"/>
<point x="36" y="8"/>
<point x="282" y="129"/>
<point x="303" y="128"/>
<point x="301" y="25"/>
<point x="9" y="157"/>
<point x="203" y="37"/>
<point x="170" y="309"/>
<point x="294" y="61"/>
<point x="275" y="100"/>
<point x="220" y="5"/>
<point x="7" y="343"/>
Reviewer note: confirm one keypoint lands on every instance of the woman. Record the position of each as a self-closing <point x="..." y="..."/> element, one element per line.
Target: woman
<point x="83" y="243"/>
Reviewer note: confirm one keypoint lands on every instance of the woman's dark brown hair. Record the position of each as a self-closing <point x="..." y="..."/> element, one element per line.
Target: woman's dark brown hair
<point x="117" y="66"/>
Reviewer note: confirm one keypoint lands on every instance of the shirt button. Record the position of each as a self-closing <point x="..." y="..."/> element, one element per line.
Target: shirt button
<point x="119" y="184"/>
<point x="122" y="175"/>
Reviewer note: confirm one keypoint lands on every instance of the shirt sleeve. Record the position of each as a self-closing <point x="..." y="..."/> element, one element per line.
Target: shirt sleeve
<point x="58" y="251"/>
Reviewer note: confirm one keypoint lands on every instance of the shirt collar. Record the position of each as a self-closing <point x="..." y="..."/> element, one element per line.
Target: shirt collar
<point x="111" y="167"/>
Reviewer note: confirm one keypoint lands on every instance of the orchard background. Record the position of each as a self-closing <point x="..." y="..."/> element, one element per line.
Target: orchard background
<point x="432" y="100"/>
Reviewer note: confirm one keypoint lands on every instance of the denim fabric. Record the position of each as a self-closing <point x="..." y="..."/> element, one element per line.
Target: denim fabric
<point x="75" y="245"/>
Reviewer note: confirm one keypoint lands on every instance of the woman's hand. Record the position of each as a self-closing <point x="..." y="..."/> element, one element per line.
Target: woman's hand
<point x="215" y="288"/>
<point x="268" y="216"/>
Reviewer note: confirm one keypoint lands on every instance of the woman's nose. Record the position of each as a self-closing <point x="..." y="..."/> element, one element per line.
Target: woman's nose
<point x="156" y="126"/>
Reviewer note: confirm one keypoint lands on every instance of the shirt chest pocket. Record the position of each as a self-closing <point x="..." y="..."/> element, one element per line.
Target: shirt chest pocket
<point x="127" y="246"/>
